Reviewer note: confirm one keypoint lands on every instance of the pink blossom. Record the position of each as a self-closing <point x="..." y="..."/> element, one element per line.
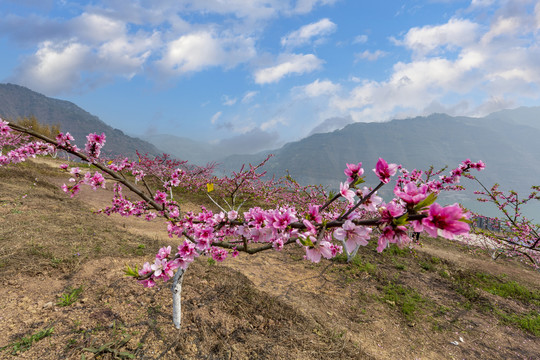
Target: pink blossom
<point x="313" y="213"/>
<point x="352" y="235"/>
<point x="149" y="283"/>
<point x="346" y="193"/>
<point x="160" y="197"/>
<point x="371" y="204"/>
<point x="385" y="171"/>
<point x="94" y="144"/>
<point x="278" y="244"/>
<point x="219" y="254"/>
<point x="94" y="181"/>
<point x="322" y="248"/>
<point x="164" y="253"/>
<point x="393" y="234"/>
<point x="390" y="211"/>
<point x="353" y="172"/>
<point x="187" y="250"/>
<point x="71" y="190"/>
<point x="447" y="219"/>
<point x="232" y="215"/>
<point x="4" y="128"/>
<point x="145" y="270"/>
<point x="411" y="194"/>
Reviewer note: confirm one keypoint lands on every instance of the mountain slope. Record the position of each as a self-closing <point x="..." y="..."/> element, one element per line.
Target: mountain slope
<point x="17" y="101"/>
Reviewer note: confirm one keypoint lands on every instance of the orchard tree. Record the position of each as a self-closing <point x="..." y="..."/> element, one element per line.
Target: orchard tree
<point x="323" y="226"/>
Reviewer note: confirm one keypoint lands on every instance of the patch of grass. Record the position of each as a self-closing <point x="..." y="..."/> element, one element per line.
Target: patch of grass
<point x="26" y="342"/>
<point x="428" y="266"/>
<point x="529" y="322"/>
<point x="409" y="301"/>
<point x="444" y="274"/>
<point x="394" y="250"/>
<point x="354" y="268"/>
<point x="211" y="262"/>
<point x="70" y="296"/>
<point x="507" y="289"/>
<point x="398" y="265"/>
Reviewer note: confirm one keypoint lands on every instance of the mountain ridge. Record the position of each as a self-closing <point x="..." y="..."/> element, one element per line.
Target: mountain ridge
<point x="18" y="101"/>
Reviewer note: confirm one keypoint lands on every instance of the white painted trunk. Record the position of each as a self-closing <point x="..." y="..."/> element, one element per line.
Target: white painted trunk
<point x="176" y="290"/>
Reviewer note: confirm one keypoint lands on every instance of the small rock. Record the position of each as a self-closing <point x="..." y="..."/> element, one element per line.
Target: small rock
<point x="461" y="339"/>
<point x="48" y="305"/>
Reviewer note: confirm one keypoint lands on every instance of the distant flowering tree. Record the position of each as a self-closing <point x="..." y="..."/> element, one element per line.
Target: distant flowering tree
<point x="514" y="234"/>
<point x="324" y="226"/>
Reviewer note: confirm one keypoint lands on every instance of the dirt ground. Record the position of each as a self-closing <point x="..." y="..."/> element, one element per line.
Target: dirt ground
<point x="430" y="303"/>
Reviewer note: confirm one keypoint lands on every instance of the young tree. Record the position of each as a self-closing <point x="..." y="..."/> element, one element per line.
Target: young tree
<point x="323" y="226"/>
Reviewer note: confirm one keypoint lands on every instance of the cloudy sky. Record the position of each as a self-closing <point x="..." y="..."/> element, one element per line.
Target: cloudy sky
<point x="258" y="73"/>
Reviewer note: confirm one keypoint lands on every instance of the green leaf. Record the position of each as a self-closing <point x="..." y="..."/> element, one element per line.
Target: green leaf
<point x="430" y="199"/>
<point x="358" y="181"/>
<point x="401" y="221"/>
<point x="305" y="242"/>
<point x="128" y="271"/>
<point x="466" y="220"/>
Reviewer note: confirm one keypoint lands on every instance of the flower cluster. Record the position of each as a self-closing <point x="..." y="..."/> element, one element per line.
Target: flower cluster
<point x="94" y="144"/>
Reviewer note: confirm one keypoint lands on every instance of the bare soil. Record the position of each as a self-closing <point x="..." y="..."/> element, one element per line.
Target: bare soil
<point x="428" y="303"/>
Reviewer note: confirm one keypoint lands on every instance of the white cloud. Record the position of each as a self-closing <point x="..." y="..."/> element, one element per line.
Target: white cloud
<point x="489" y="68"/>
<point x="317" y="88"/>
<point x="504" y="26"/>
<point x="96" y="28"/>
<point x="482" y="3"/>
<point x="288" y="64"/>
<point x="272" y="123"/>
<point x="360" y="39"/>
<point x="249" y="96"/>
<point x="371" y="56"/>
<point x="54" y="67"/>
<point x="227" y="101"/>
<point x="215" y="117"/>
<point x="305" y="6"/>
<point x="199" y="50"/>
<point x="453" y="34"/>
<point x="307" y="32"/>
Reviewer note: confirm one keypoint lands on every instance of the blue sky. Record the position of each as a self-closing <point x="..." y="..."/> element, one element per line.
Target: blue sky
<point x="259" y="73"/>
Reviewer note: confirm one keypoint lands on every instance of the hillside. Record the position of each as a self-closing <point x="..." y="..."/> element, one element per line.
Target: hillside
<point x="440" y="301"/>
<point x="17" y="101"/>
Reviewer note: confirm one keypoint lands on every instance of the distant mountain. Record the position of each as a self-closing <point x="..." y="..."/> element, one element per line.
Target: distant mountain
<point x="196" y="152"/>
<point x="507" y="141"/>
<point x="17" y="101"/>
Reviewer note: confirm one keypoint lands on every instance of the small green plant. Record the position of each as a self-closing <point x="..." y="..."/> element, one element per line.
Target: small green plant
<point x="26" y="342"/>
<point x="394" y="250"/>
<point x="211" y="262"/>
<point x="70" y="296"/>
<point x="428" y="266"/>
<point x="407" y="300"/>
<point x="55" y="262"/>
<point x="444" y="274"/>
<point x="398" y="265"/>
<point x="112" y="347"/>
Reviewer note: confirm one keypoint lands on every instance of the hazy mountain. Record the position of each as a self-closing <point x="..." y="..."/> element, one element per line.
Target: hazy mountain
<point x="507" y="141"/>
<point x="196" y="152"/>
<point x="17" y="101"/>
